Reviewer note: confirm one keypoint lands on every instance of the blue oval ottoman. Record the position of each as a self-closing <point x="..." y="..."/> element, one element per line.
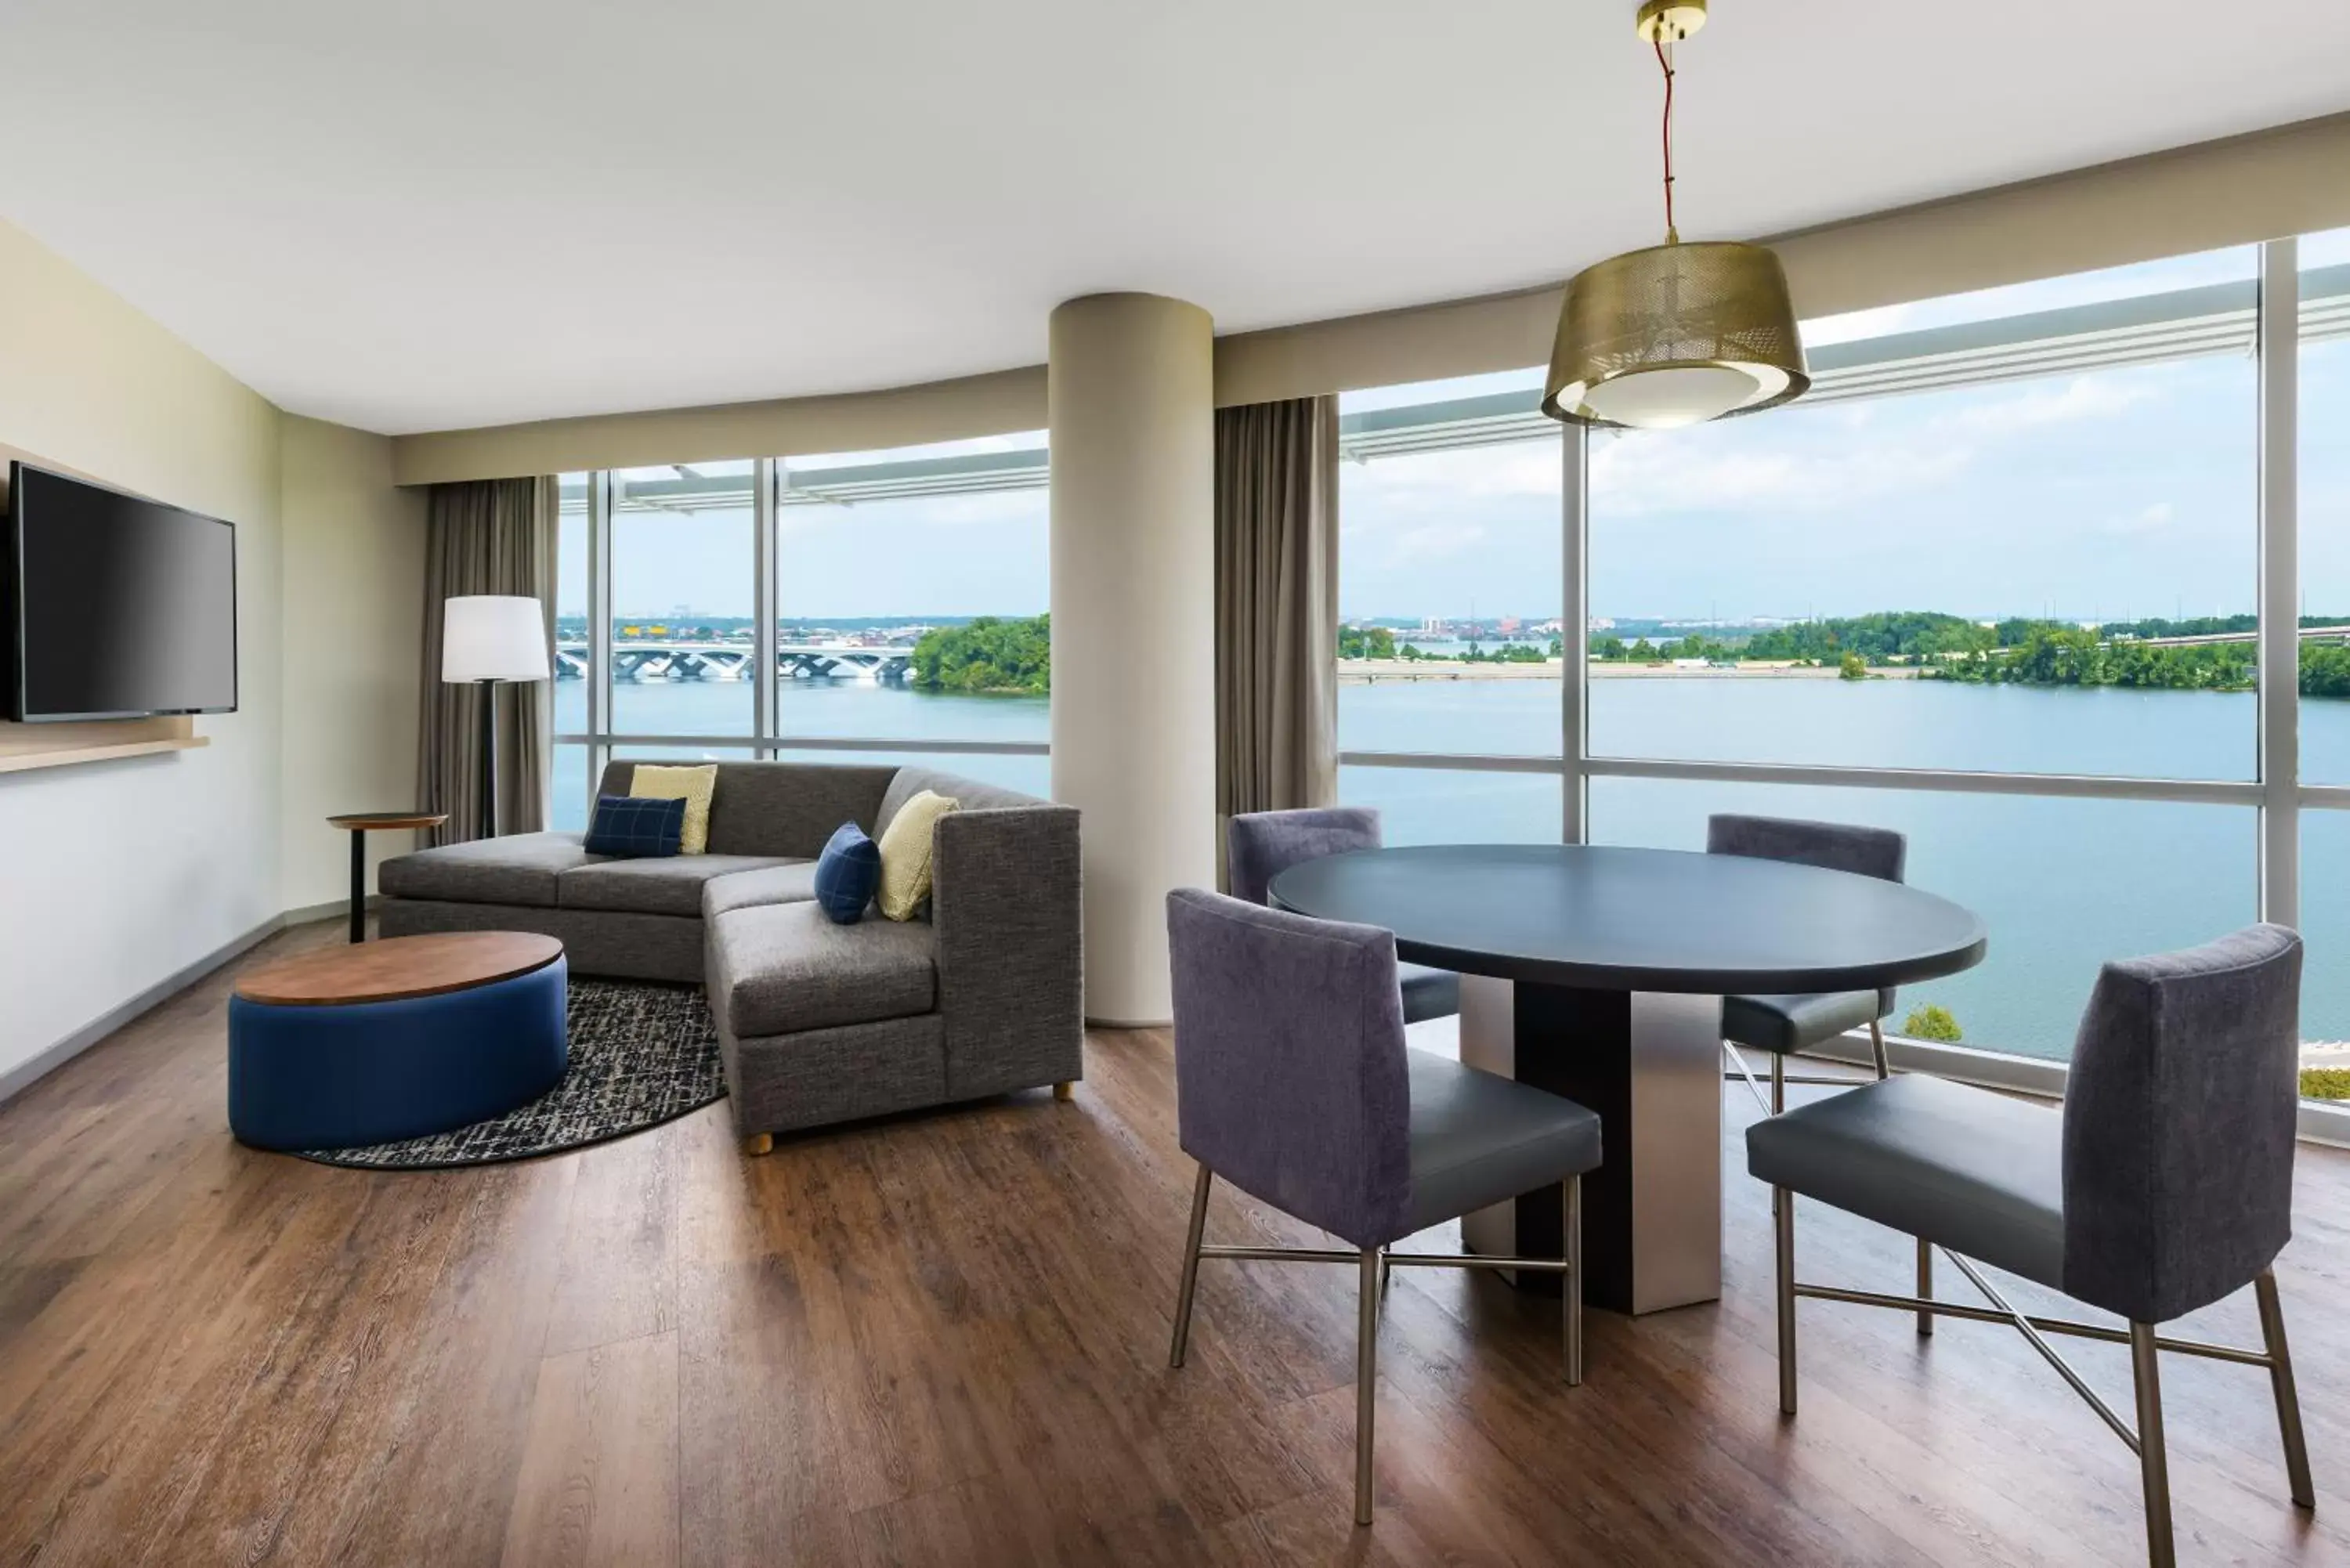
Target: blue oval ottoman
<point x="394" y="1039"/>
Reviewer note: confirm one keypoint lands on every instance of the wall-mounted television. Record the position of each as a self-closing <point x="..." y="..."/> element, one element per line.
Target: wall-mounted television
<point x="114" y="608"/>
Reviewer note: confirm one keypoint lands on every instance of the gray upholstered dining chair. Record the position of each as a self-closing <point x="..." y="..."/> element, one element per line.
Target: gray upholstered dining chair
<point x="2163" y="1185"/>
<point x="1262" y="845"/>
<point x="1785" y="1026"/>
<point x="1294" y="1084"/>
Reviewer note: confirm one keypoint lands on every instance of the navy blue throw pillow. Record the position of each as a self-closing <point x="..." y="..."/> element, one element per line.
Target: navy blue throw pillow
<point x="846" y="874"/>
<point x="635" y="828"/>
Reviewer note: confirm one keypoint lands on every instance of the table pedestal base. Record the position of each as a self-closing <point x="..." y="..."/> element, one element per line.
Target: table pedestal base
<point x="1649" y="1064"/>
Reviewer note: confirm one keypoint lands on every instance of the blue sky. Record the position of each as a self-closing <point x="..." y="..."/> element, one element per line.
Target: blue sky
<point x="2119" y="494"/>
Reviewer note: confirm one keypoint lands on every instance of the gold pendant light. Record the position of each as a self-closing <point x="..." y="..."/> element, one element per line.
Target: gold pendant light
<point x="1678" y="334"/>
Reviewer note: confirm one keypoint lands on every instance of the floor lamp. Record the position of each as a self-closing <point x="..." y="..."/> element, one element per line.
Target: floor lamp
<point x="486" y="638"/>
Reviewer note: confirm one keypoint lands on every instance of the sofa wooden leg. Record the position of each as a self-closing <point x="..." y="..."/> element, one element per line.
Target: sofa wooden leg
<point x="1067" y="1089"/>
<point x="758" y="1143"/>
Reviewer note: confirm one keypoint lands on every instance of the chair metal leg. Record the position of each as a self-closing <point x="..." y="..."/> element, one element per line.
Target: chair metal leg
<point x="1366" y="1378"/>
<point x="1784" y="1221"/>
<point x="1190" y="1267"/>
<point x="2288" y="1402"/>
<point x="1877" y="1050"/>
<point x="1571" y="1288"/>
<point x="2153" y="1461"/>
<point x="1778" y="1104"/>
<point x="1925" y="1285"/>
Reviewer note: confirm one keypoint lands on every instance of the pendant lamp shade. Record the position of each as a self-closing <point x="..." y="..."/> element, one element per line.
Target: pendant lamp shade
<point x="1675" y="334"/>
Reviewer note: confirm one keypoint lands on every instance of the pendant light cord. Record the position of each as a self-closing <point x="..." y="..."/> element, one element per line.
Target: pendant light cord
<point x="1665" y="62"/>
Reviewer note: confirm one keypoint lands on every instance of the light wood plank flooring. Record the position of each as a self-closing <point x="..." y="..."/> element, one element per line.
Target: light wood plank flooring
<point x="944" y="1339"/>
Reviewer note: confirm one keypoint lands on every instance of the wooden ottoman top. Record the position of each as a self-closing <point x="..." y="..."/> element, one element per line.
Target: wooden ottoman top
<point x="398" y="968"/>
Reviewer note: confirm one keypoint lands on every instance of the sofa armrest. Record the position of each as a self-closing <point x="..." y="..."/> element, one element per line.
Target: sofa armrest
<point x="1007" y="902"/>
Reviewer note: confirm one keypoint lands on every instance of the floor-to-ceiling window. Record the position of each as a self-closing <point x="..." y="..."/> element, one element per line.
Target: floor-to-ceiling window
<point x="1997" y="582"/>
<point x="1969" y="551"/>
<point x="2322" y="502"/>
<point x="911" y="587"/>
<point x="1448" y="600"/>
<point x="852" y="606"/>
<point x="569" y="786"/>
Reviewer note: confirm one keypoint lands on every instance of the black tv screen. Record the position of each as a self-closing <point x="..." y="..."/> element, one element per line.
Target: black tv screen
<point x="116" y="607"/>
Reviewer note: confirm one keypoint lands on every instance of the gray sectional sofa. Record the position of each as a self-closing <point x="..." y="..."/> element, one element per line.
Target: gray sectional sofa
<point x="818" y="1023"/>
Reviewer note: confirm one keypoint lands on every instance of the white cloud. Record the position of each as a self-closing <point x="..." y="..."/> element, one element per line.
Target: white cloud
<point x="1433" y="480"/>
<point x="1837" y="455"/>
<point x="1637" y="477"/>
<point x="2145" y="521"/>
<point x="1434" y="541"/>
<point x="2081" y="398"/>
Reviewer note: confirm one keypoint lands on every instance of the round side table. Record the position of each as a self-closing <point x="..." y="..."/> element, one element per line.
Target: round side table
<point x="358" y="823"/>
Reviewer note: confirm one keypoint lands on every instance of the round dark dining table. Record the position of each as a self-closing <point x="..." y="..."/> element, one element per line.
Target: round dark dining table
<point x="1598" y="972"/>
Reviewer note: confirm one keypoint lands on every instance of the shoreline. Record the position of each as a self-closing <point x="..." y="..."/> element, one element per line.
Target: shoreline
<point x="1371" y="671"/>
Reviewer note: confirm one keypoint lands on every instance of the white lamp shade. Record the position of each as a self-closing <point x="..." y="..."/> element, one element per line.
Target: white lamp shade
<point x="493" y="637"/>
<point x="1671" y="396"/>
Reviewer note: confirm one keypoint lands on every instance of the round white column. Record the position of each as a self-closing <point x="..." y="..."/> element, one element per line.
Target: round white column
<point x="1132" y="406"/>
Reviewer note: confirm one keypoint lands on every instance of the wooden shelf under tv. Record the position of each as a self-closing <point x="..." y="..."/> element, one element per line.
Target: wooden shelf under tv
<point x="27" y="746"/>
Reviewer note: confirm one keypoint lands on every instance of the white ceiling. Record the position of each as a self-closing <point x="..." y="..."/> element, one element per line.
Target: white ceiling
<point x="436" y="213"/>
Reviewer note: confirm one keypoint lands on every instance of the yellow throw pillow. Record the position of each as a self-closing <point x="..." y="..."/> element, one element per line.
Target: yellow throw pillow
<point x="906" y="847"/>
<point x="691" y="786"/>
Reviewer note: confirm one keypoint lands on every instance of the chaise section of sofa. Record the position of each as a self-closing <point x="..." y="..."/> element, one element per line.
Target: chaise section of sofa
<point x="817" y="1023"/>
<point x="1000" y="951"/>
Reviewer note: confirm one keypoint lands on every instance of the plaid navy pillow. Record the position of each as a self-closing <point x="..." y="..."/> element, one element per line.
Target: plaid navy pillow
<point x="637" y="829"/>
<point x="847" y="875"/>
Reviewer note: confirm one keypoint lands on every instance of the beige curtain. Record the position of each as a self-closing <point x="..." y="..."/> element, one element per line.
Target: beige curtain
<point x="1276" y="605"/>
<point x="485" y="537"/>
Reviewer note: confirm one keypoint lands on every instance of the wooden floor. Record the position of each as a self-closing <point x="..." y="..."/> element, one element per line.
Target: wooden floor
<point x="943" y="1340"/>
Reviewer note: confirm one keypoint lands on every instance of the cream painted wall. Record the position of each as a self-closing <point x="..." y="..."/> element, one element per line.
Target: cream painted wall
<point x="116" y="876"/>
<point x="354" y="595"/>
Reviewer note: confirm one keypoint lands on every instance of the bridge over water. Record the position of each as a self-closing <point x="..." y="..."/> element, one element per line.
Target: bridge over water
<point x="682" y="660"/>
<point x="2308" y="634"/>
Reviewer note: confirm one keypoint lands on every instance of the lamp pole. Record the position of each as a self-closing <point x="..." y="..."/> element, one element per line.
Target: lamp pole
<point x="489" y="761"/>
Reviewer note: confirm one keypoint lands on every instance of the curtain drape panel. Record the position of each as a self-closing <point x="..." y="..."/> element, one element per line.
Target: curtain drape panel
<point x="485" y="537"/>
<point x="1276" y="606"/>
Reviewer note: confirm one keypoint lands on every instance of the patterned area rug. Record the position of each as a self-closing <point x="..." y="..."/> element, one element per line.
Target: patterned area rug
<point x="641" y="1054"/>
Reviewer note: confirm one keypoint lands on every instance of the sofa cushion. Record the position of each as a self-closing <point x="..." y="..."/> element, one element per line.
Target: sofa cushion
<point x="791" y="808"/>
<point x="783" y="882"/>
<point x="778" y="968"/>
<point x="693" y="785"/>
<point x="847" y="873"/>
<point x="519" y="869"/>
<point x="633" y="827"/>
<point x="654" y="887"/>
<point x="908" y="851"/>
<point x="970" y="794"/>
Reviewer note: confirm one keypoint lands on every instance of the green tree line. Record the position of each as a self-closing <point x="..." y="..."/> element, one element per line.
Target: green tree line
<point x="2020" y="650"/>
<point x="991" y="654"/>
<point x="2071" y="656"/>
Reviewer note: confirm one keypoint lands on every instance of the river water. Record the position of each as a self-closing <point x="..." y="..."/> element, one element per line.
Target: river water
<point x="2062" y="884"/>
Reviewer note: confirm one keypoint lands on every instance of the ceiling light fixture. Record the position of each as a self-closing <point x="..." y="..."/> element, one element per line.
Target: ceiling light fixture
<point x="1678" y="334"/>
